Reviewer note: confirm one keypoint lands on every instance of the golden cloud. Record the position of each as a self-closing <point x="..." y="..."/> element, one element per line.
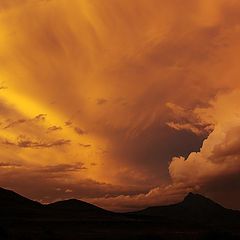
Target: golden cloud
<point x="143" y="82"/>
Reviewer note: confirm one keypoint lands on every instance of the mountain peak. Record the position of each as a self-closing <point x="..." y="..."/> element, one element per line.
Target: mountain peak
<point x="190" y="194"/>
<point x="75" y="204"/>
<point x="193" y="196"/>
<point x="195" y="199"/>
<point x="193" y="207"/>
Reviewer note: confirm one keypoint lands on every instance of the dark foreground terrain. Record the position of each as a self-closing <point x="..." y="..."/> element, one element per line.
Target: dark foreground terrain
<point x="195" y="218"/>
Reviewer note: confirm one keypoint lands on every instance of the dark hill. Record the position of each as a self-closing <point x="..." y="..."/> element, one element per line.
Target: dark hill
<point x="74" y="204"/>
<point x="10" y="199"/>
<point x="194" y="207"/>
<point x="13" y="205"/>
<point x="73" y="208"/>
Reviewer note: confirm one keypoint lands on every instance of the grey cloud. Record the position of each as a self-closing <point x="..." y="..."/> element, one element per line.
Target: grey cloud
<point x="63" y="168"/>
<point x="24" y="143"/>
<point x="3" y="87"/>
<point x="68" y="123"/>
<point x="54" y="128"/>
<point x="85" y="145"/>
<point x="13" y="123"/>
<point x="188" y="120"/>
<point x="37" y="184"/>
<point x="41" y="117"/>
<point x="10" y="164"/>
<point x="79" y="131"/>
<point x="101" y="101"/>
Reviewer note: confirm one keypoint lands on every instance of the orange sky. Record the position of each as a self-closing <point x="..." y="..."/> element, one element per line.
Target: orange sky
<point x="122" y="103"/>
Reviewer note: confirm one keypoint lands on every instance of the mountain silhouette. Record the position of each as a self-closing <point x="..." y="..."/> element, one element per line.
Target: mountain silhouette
<point x="77" y="209"/>
<point x="194" y="207"/>
<point x="10" y="199"/>
<point x="196" y="217"/>
<point x="74" y="204"/>
<point x="13" y="205"/>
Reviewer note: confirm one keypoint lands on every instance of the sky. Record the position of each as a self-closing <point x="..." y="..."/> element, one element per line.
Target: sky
<point x="121" y="103"/>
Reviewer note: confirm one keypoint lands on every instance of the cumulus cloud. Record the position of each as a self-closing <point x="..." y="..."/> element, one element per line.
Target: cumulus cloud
<point x="219" y="156"/>
<point x="158" y="196"/>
